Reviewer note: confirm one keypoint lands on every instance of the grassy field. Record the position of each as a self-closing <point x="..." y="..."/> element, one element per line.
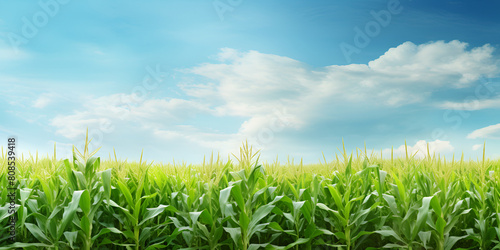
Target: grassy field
<point x="353" y="202"/>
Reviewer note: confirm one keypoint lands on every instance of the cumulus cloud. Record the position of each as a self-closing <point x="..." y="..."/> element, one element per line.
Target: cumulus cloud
<point x="492" y="132"/>
<point x="420" y="149"/>
<point x="275" y="93"/>
<point x="437" y="63"/>
<point x="253" y="84"/>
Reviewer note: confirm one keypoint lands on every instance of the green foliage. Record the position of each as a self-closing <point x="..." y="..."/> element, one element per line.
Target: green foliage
<point x="359" y="203"/>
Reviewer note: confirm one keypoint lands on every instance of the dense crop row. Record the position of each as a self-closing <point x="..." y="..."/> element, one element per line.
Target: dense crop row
<point x="349" y="203"/>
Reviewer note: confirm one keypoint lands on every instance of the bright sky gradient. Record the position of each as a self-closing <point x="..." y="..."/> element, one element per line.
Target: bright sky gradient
<point x="181" y="79"/>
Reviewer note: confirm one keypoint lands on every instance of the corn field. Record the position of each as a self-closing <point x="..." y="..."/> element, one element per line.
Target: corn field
<point x="357" y="201"/>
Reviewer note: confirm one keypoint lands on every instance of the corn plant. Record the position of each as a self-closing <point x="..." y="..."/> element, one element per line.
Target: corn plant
<point x="356" y="201"/>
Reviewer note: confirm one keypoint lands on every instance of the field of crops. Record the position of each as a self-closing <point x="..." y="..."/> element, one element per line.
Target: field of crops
<point x="358" y="202"/>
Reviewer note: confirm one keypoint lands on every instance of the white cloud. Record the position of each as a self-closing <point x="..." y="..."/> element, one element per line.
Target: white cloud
<point x="104" y="112"/>
<point x="228" y="54"/>
<point x="252" y="82"/>
<point x="477" y="146"/>
<point x="492" y="131"/>
<point x="9" y="53"/>
<point x="438" y="63"/>
<point x="420" y="149"/>
<point x="274" y="93"/>
<point x="43" y="100"/>
<point x="477" y="104"/>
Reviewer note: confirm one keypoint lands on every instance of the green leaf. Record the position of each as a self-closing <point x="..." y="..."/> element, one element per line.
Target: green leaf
<point x="348" y="168"/>
<point x="85" y="225"/>
<point x="106" y="183"/>
<point x="423" y="211"/>
<point x="85" y="202"/>
<point x="307" y="212"/>
<point x="436" y="206"/>
<point x="81" y="178"/>
<point x="105" y="231"/>
<point x="19" y="245"/>
<point x="359" y="235"/>
<point x="132" y="219"/>
<point x="401" y="187"/>
<point x="69" y="212"/>
<point x="206" y="218"/>
<point x="336" y="197"/>
<point x="126" y="193"/>
<point x="244" y="222"/>
<point x="425" y="237"/>
<point x="391" y="201"/>
<point x="450" y="241"/>
<point x="153" y="212"/>
<point x="257" y="246"/>
<point x="37" y="233"/>
<point x="390" y="233"/>
<point x="71" y="237"/>
<point x="71" y="176"/>
<point x="259" y="214"/>
<point x="343" y="221"/>
<point x="223" y="199"/>
<point x="238" y="197"/>
<point x="235" y="234"/>
<point x="299" y="241"/>
<point x="25" y="194"/>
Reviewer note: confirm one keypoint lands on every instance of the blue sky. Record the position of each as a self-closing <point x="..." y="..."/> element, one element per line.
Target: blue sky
<point x="181" y="79"/>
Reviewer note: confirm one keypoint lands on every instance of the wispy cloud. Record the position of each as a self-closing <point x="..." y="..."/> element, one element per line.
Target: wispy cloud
<point x="492" y="132"/>
<point x="43" y="100"/>
<point x="8" y="53"/>
<point x="472" y="105"/>
<point x="477" y="147"/>
<point x="125" y="109"/>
